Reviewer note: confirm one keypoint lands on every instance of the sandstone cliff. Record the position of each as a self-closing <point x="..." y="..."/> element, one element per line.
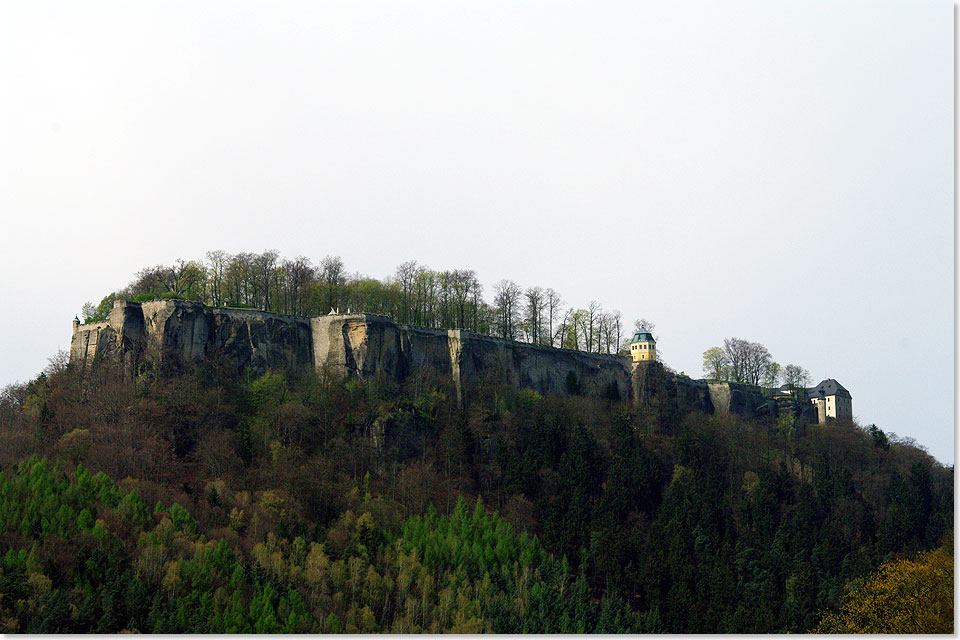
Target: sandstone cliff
<point x="368" y="345"/>
<point x="177" y="333"/>
<point x="740" y="399"/>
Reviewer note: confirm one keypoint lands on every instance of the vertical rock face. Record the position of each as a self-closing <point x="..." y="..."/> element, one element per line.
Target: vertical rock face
<point x="367" y="345"/>
<point x="800" y="409"/>
<point x="740" y="399"/>
<point x="426" y="351"/>
<point x="178" y="333"/>
<point x="693" y="394"/>
<point x="545" y="369"/>
<point x="654" y="385"/>
<point x="119" y="340"/>
<point x="364" y="345"/>
<point x="182" y="333"/>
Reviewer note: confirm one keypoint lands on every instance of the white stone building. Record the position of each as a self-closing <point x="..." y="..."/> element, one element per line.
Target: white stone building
<point x="832" y="400"/>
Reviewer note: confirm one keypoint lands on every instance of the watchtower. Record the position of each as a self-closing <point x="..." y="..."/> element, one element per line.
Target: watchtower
<point x="643" y="346"/>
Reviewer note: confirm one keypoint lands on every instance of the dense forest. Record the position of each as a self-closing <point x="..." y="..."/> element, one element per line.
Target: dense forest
<point x="206" y="501"/>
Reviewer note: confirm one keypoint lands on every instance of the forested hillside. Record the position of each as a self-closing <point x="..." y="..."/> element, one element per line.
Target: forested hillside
<point x="200" y="501"/>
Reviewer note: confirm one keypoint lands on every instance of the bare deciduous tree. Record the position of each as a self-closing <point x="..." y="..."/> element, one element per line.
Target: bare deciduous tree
<point x="217" y="266"/>
<point x="506" y="300"/>
<point x="737" y="352"/>
<point x="644" y="325"/>
<point x="796" y="377"/>
<point x="614" y="323"/>
<point x="554" y="302"/>
<point x="594" y="311"/>
<point x="406" y="274"/>
<point x="747" y="361"/>
<point x="533" y="313"/>
<point x="462" y="282"/>
<point x="332" y="278"/>
<point x="758" y="360"/>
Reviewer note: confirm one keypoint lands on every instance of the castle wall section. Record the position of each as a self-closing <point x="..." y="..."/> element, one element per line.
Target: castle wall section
<point x="670" y="394"/>
<point x="364" y="345"/>
<point x="544" y="369"/>
<point x="368" y="345"/>
<point x="428" y="352"/>
<point x="181" y="333"/>
<point x="119" y="340"/>
<point x="178" y="333"/>
<point x="740" y="399"/>
<point x="87" y="339"/>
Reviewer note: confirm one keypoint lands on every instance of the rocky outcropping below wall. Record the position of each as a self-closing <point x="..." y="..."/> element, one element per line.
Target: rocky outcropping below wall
<point x="175" y="334"/>
<point x="668" y="393"/>
<point x="369" y="345"/>
<point x="178" y="333"/>
<point x="655" y="386"/>
<point x="740" y="399"/>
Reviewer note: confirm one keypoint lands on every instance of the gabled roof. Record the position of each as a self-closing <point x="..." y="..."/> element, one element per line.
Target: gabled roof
<point x="643" y="336"/>
<point x="828" y="387"/>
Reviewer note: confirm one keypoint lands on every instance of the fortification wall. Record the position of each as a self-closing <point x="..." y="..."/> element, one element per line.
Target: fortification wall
<point x="740" y="399"/>
<point x="117" y="340"/>
<point x="180" y="332"/>
<point x="654" y="386"/>
<point x="89" y="339"/>
<point x="368" y="345"/>
<point x="177" y="333"/>
<point x="544" y="369"/>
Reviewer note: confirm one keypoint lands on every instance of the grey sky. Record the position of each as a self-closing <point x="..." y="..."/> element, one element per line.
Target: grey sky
<point x="776" y="171"/>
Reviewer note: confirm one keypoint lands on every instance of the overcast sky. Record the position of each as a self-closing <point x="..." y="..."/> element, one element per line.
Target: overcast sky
<point x="778" y="171"/>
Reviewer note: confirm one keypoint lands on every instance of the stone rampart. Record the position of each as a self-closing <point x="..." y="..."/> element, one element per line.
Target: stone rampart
<point x="368" y="345"/>
<point x="740" y="399"/>
<point x="178" y="333"/>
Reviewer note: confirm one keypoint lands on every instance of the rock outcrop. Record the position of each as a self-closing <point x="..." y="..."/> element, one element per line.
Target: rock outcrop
<point x="653" y="384"/>
<point x="740" y="399"/>
<point x="369" y="345"/>
<point x="175" y="334"/>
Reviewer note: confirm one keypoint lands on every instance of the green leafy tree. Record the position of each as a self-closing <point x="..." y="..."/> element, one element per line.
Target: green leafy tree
<point x="715" y="363"/>
<point x="905" y="595"/>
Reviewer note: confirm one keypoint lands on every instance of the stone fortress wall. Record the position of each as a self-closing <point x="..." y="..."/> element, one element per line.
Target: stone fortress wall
<point x="183" y="332"/>
<point x="180" y="333"/>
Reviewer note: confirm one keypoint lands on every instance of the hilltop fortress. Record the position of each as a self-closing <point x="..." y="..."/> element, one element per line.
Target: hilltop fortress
<point x="178" y="333"/>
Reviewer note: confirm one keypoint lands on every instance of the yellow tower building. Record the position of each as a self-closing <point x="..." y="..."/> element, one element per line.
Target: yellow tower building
<point x="643" y="346"/>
